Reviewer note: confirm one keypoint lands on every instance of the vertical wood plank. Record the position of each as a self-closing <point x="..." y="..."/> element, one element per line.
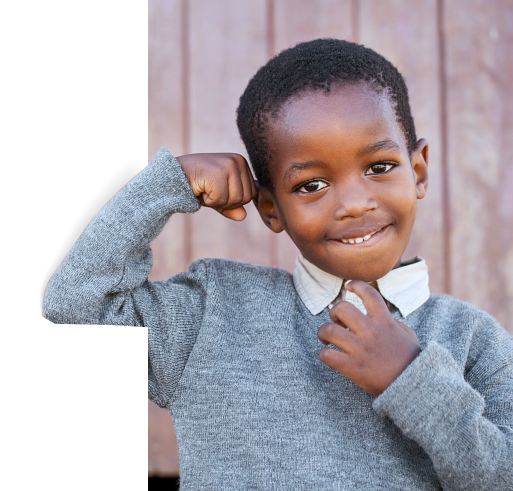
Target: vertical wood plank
<point x="296" y="21"/>
<point x="165" y="128"/>
<point x="479" y="54"/>
<point x="303" y="20"/>
<point x="162" y="444"/>
<point x="406" y="34"/>
<point x="228" y="45"/>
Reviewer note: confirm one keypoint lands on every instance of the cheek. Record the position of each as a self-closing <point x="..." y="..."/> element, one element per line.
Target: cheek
<point x="407" y="211"/>
<point x="304" y="224"/>
<point x="405" y="200"/>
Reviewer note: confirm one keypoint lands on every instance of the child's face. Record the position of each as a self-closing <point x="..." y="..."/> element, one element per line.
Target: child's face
<point x="341" y="170"/>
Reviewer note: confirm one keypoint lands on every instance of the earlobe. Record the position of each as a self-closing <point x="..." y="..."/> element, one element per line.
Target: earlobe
<point x="420" y="167"/>
<point x="264" y="202"/>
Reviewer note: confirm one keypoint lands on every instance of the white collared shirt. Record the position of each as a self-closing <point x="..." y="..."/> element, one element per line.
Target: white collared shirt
<point x="406" y="287"/>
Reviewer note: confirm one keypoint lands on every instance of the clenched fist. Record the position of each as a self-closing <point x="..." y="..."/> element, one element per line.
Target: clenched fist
<point x="222" y="181"/>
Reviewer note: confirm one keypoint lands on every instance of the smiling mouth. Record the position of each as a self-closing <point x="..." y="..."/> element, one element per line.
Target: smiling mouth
<point x="358" y="240"/>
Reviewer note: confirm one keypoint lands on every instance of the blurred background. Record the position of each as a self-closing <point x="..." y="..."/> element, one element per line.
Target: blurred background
<point x="457" y="60"/>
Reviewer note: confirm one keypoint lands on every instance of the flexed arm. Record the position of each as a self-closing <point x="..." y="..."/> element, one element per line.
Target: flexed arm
<point x="104" y="278"/>
<point x="110" y="262"/>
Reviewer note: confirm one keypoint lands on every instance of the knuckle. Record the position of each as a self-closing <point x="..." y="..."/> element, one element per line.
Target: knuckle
<point x="335" y="310"/>
<point x="236" y="196"/>
<point x="238" y="158"/>
<point x="219" y="200"/>
<point x="340" y="309"/>
<point x="235" y="160"/>
<point x="322" y="331"/>
<point x="223" y="163"/>
<point x="376" y="295"/>
<point x="248" y="193"/>
<point x="326" y="332"/>
<point x="330" y="330"/>
<point x="344" y="306"/>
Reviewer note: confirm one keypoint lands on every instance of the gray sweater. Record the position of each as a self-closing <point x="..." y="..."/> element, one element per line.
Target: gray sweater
<point x="233" y="355"/>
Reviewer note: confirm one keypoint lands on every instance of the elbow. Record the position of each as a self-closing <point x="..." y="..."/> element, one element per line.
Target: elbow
<point x="53" y="310"/>
<point x="58" y="307"/>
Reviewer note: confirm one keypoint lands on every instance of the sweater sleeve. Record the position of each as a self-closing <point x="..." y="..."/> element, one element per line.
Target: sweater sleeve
<point x="462" y="418"/>
<point x="104" y="278"/>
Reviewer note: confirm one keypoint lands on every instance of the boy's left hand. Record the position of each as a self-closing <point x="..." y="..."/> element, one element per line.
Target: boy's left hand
<point x="376" y="348"/>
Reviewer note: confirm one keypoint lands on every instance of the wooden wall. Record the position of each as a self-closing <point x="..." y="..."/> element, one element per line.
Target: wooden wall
<point x="457" y="59"/>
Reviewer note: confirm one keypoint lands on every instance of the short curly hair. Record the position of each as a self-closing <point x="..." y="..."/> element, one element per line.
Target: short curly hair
<point x="314" y="65"/>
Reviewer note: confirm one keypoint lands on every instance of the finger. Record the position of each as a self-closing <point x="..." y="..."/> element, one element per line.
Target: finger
<point x="334" y="334"/>
<point x="335" y="359"/>
<point x="371" y="298"/>
<point x="244" y="183"/>
<point x="216" y="195"/>
<point x="237" y="214"/>
<point x="235" y="190"/>
<point x="251" y="181"/>
<point x="254" y="190"/>
<point x="248" y="185"/>
<point x="347" y="315"/>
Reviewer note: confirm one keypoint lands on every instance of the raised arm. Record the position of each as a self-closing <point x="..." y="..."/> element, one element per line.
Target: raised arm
<point x="104" y="278"/>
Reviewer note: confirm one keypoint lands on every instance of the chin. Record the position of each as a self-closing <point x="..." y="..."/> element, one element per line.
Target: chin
<point x="367" y="277"/>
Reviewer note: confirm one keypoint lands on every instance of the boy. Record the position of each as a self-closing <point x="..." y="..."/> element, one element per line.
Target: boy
<point x="414" y="391"/>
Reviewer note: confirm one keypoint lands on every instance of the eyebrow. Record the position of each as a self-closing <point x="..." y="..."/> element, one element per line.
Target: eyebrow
<point x="297" y="167"/>
<point x="376" y="147"/>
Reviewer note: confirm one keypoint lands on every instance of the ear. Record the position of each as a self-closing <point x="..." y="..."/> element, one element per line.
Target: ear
<point x="266" y="206"/>
<point x="419" y="163"/>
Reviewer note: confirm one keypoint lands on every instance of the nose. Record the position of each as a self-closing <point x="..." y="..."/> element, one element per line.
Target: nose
<point x="354" y="199"/>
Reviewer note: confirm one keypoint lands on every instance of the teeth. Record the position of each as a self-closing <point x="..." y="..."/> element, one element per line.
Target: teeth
<point x="357" y="240"/>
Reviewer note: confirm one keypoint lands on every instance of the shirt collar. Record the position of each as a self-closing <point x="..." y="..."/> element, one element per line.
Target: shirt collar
<point x="406" y="287"/>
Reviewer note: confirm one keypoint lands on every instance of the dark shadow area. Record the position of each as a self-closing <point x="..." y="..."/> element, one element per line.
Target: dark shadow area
<point x="163" y="483"/>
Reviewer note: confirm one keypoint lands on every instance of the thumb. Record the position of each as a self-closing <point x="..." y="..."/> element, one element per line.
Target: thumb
<point x="237" y="214"/>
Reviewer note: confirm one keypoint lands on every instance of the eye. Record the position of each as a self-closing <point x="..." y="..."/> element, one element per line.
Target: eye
<point x="312" y="186"/>
<point x="380" y="168"/>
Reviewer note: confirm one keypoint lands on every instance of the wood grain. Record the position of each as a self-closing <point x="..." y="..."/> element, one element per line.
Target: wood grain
<point x="162" y="444"/>
<point x="165" y="129"/>
<point x="479" y="68"/>
<point x="228" y="45"/>
<point x="302" y="20"/>
<point x="165" y="125"/>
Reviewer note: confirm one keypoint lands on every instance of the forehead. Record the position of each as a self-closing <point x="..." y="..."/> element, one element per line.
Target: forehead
<point x="346" y="116"/>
